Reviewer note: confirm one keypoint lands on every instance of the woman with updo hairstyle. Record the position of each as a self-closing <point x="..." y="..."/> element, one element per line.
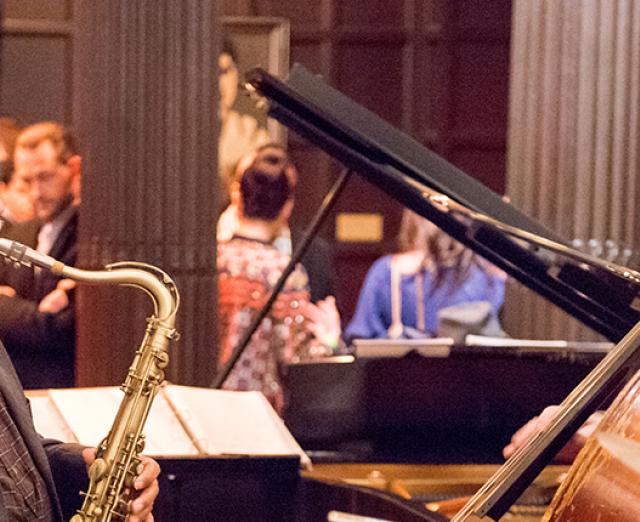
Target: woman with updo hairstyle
<point x="403" y="294"/>
<point x="263" y="192"/>
<point x="248" y="268"/>
<point x="270" y="157"/>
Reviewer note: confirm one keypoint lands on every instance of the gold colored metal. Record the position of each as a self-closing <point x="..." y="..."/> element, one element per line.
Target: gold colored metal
<point x="117" y="456"/>
<point x="443" y="488"/>
<point x="261" y="102"/>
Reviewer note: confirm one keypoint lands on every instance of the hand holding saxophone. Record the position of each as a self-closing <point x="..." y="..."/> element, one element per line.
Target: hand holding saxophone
<point x="145" y="484"/>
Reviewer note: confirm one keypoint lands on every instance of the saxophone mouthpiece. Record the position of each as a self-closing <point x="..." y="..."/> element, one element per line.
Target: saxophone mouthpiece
<point x="20" y="254"/>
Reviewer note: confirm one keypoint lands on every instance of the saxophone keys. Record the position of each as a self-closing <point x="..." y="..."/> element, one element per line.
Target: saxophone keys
<point x="158" y="377"/>
<point x="133" y="471"/>
<point x="129" y="479"/>
<point x="97" y="469"/>
<point x="139" y="448"/>
<point x="162" y="359"/>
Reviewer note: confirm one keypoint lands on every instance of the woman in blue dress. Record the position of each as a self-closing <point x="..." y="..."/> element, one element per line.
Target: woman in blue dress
<point x="403" y="293"/>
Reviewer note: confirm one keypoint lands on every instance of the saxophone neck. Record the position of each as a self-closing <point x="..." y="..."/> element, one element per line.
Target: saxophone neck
<point x="156" y="283"/>
<point x="153" y="281"/>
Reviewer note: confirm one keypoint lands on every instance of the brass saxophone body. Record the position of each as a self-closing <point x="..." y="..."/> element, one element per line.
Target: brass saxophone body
<point x="117" y="456"/>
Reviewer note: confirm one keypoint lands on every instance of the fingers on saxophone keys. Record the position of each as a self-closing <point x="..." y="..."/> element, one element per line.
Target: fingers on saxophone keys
<point x="148" y="471"/>
<point x="141" y="508"/>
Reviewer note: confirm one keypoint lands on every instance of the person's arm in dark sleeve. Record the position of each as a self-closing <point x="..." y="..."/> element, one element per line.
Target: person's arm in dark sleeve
<point x="320" y="265"/>
<point x="69" y="473"/>
<point x="22" y="324"/>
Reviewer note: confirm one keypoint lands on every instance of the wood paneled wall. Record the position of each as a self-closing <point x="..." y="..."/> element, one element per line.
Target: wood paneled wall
<point x="145" y="107"/>
<point x="36" y="60"/>
<point x="438" y="69"/>
<point x="136" y="80"/>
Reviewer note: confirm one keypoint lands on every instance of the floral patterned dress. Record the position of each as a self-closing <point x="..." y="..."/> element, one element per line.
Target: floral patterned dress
<point x="247" y="272"/>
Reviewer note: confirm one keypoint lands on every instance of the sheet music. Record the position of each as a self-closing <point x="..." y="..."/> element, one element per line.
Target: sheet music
<point x="233" y="423"/>
<point x="90" y="412"/>
<point x="429" y="347"/>
<point x="48" y="421"/>
<point x="165" y="434"/>
<point x="181" y="419"/>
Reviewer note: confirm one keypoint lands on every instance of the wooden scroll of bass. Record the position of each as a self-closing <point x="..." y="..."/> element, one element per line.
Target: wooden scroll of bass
<point x="494" y="498"/>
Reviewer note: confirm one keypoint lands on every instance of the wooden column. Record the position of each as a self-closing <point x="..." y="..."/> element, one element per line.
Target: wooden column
<point x="573" y="133"/>
<point x="144" y="109"/>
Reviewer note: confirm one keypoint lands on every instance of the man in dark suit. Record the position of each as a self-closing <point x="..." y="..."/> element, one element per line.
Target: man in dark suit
<point x="37" y="321"/>
<point x="40" y="479"/>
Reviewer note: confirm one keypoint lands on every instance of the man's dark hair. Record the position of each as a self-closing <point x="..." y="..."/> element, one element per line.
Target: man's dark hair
<point x="60" y="137"/>
<point x="227" y="48"/>
<point x="264" y="191"/>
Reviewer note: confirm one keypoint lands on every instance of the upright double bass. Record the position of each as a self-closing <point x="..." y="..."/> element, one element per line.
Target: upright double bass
<point x="602" y="484"/>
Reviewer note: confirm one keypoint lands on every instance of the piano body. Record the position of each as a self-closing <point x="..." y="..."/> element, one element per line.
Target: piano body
<point x="457" y="404"/>
<point x="403" y="168"/>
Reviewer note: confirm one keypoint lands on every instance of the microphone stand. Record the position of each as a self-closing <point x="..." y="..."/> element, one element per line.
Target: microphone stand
<point x="299" y="251"/>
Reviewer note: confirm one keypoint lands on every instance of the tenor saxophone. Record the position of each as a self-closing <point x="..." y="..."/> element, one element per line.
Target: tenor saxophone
<point x="118" y="455"/>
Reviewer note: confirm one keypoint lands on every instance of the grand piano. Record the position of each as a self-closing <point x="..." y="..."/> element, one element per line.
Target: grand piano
<point x="403" y="168"/>
<point x="429" y="185"/>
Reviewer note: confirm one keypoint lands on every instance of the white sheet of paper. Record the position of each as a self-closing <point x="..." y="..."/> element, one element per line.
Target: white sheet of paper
<point x="223" y="422"/>
<point x="90" y="412"/>
<point x="234" y="423"/>
<point x="165" y="434"/>
<point x="48" y="421"/>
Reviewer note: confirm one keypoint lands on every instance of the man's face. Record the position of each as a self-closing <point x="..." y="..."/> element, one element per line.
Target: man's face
<point x="49" y="181"/>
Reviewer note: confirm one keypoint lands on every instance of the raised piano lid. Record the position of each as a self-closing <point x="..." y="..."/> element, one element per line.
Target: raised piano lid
<point x="393" y="161"/>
